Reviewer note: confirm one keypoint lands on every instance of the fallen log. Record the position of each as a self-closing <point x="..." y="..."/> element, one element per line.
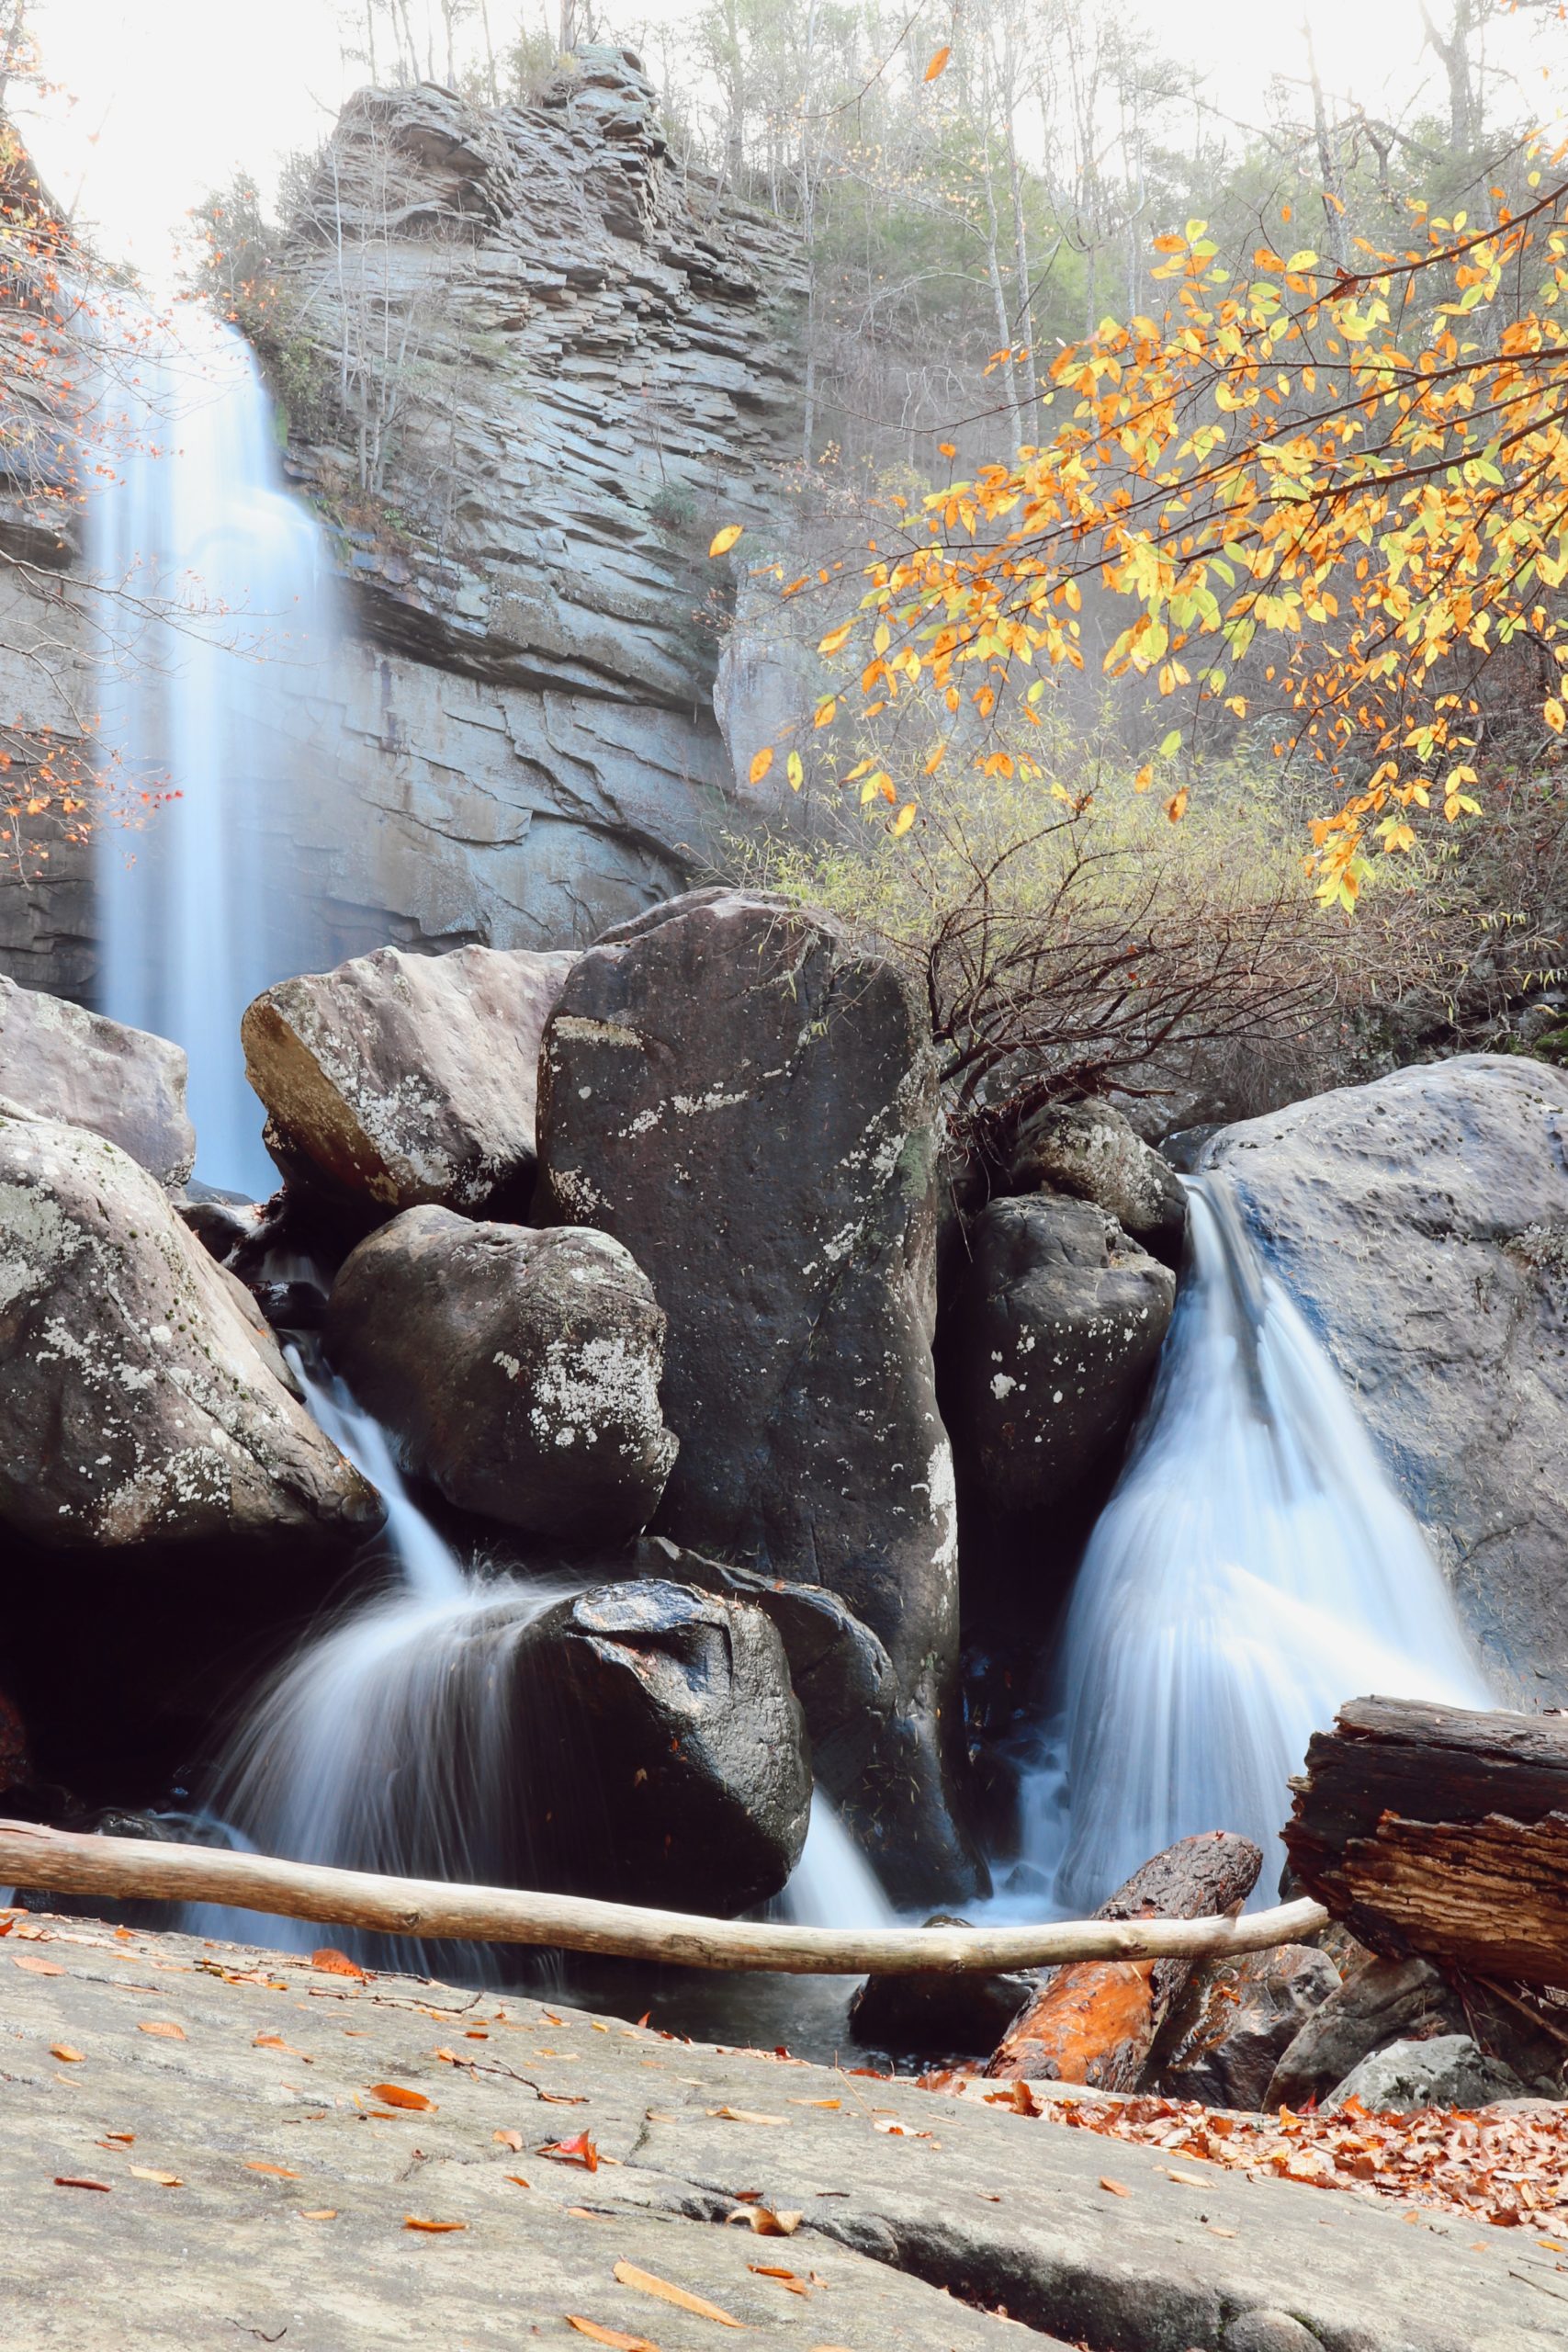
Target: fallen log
<point x="117" y="1868"/>
<point x="1440" y="1831"/>
<point x="1095" y="2022"/>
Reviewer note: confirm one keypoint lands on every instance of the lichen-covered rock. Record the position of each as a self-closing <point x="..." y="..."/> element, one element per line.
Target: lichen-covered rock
<point x="1447" y="2071"/>
<point x="1422" y="1226"/>
<point x="1089" y="1150"/>
<point x="666" y="1759"/>
<point x="1054" y="1333"/>
<point x="518" y="1369"/>
<point x="64" y="1063"/>
<point x="1227" y="2032"/>
<point x="397" y="1081"/>
<point x="142" y="1398"/>
<point x="750" y="1105"/>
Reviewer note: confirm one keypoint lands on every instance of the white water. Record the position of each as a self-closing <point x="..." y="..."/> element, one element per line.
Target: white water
<point x="1254" y="1569"/>
<point x="222" y="613"/>
<point x="833" y="1885"/>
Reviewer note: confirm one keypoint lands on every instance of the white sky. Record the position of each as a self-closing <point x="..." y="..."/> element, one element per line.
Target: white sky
<point x="160" y="100"/>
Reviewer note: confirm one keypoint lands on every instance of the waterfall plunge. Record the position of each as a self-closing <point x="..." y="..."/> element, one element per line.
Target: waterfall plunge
<point x="1254" y="1568"/>
<point x="221" y="613"/>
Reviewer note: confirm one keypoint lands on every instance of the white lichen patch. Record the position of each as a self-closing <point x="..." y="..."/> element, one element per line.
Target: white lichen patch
<point x="36" y="1240"/>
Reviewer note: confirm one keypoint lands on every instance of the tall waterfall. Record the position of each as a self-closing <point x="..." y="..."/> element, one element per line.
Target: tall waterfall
<point x="221" y="613"/>
<point x="1254" y="1568"/>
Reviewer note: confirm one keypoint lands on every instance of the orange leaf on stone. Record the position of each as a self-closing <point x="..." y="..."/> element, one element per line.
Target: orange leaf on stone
<point x="437" y="2228"/>
<point x="332" y="1962"/>
<point x="161" y="2028"/>
<point x="616" y="2337"/>
<point x="579" y="2150"/>
<point x="279" y="2172"/>
<point x="66" y="2055"/>
<point x="648" y="2282"/>
<point x="35" y="1966"/>
<point x="512" y="2140"/>
<point x="395" y="2095"/>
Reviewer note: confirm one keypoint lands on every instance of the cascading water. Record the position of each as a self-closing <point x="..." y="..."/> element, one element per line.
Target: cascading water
<point x="1254" y="1568"/>
<point x="223" y="617"/>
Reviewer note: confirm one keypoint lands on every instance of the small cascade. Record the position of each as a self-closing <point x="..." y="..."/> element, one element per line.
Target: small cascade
<point x="833" y="1885"/>
<point x="1254" y="1568"/>
<point x="223" y="618"/>
<point x="388" y="1744"/>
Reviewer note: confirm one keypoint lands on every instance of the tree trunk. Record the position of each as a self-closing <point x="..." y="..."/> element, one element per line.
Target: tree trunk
<point x="1095" y="2022"/>
<point x="1440" y="1831"/>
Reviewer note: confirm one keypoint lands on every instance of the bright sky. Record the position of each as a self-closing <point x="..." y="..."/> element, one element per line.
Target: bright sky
<point x="147" y="121"/>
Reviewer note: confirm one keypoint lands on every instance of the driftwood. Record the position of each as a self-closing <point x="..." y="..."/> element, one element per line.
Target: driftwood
<point x="1096" y="2022"/>
<point x="1442" y="1832"/>
<point x="144" y="1869"/>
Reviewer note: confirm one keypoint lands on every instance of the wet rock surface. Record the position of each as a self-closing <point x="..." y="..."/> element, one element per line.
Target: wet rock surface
<point x="750" y="1107"/>
<point x="1421" y="1225"/>
<point x="268" y="2186"/>
<point x="1056" y="1324"/>
<point x="60" y="1062"/>
<point x="662" y="1751"/>
<point x="397" y="1080"/>
<point x="142" y="1398"/>
<point x="519" y="1370"/>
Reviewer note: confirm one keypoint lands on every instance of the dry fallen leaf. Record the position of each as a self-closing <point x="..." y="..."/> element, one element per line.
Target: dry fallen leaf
<point x="517" y="2180"/>
<point x="279" y="2172"/>
<point x="613" y="2336"/>
<point x="512" y="2140"/>
<point x="333" y="1963"/>
<point x="744" y="2115"/>
<point x="767" y="2224"/>
<point x="35" y="1966"/>
<point x="321" y="2213"/>
<point x="1115" y="2187"/>
<point x="163" y="2179"/>
<point x="1192" y="2179"/>
<point x="579" y="2150"/>
<point x="127" y="2137"/>
<point x="64" y="2051"/>
<point x="649" y="2284"/>
<point x="786" y="2279"/>
<point x="413" y="2221"/>
<point x="816" y="2102"/>
<point x="165" y="2028"/>
<point x="394" y="2095"/>
<point x="70" y="2180"/>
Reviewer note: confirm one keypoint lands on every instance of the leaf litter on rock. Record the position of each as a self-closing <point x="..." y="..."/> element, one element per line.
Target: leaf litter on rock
<point x="648" y="2282"/>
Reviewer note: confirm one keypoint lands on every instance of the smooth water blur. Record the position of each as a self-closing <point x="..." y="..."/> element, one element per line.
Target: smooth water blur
<point x="832" y="1886"/>
<point x="1254" y="1569"/>
<point x="222" y="611"/>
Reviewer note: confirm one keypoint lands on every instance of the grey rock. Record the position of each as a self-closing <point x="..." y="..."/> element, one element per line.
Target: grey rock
<point x="1229" y="2028"/>
<point x="1422" y="1224"/>
<point x="398" y="1080"/>
<point x="939" y="2015"/>
<point x="918" y="2241"/>
<point x="1447" y="2071"/>
<point x="750" y="1105"/>
<point x="518" y="1369"/>
<point x="1054" y="1334"/>
<point x="63" y="1063"/>
<point x="1269" y="2332"/>
<point x="142" y="1398"/>
<point x="663" y="1756"/>
<point x="1089" y="1150"/>
<point x="1380" y="2002"/>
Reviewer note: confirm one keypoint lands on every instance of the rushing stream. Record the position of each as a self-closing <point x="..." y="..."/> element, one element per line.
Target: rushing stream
<point x="224" y="606"/>
<point x="1254" y="1568"/>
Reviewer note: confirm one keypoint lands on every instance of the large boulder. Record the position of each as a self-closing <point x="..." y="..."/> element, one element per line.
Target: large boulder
<point x="1056" y="1327"/>
<point x="1448" y="2071"/>
<point x="1228" y="2030"/>
<point x="749" y="1104"/>
<point x="400" y="1079"/>
<point x="665" y="1754"/>
<point x="1380" y="2002"/>
<point x="66" y="1064"/>
<point x="142" y="1398"/>
<point x="517" y="1370"/>
<point x="1422" y="1224"/>
<point x="1090" y="1151"/>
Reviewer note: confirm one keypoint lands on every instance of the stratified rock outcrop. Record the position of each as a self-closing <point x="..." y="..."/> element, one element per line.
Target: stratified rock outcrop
<point x="518" y="1369"/>
<point x="750" y="1105"/>
<point x="1422" y="1224"/>
<point x="142" y="1399"/>
<point x="401" y="1081"/>
<point x="64" y="1063"/>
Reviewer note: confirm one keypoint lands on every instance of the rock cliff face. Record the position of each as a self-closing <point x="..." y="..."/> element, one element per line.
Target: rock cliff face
<point x="591" y="369"/>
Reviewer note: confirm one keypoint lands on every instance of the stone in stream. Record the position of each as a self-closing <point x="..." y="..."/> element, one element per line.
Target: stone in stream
<point x="142" y="1398"/>
<point x="946" y="2013"/>
<point x="1055" y="1325"/>
<point x="1089" y="1150"/>
<point x="1096" y="2021"/>
<point x="519" y="1370"/>
<point x="63" y="1063"/>
<point x="400" y="1079"/>
<point x="662" y="1752"/>
<point x="1228" y="2029"/>
<point x="749" y="1104"/>
<point x="1421" y="1223"/>
<point x="1447" y="2071"/>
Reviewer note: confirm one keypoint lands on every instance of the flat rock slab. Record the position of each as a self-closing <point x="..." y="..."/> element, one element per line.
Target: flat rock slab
<point x="266" y="2194"/>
